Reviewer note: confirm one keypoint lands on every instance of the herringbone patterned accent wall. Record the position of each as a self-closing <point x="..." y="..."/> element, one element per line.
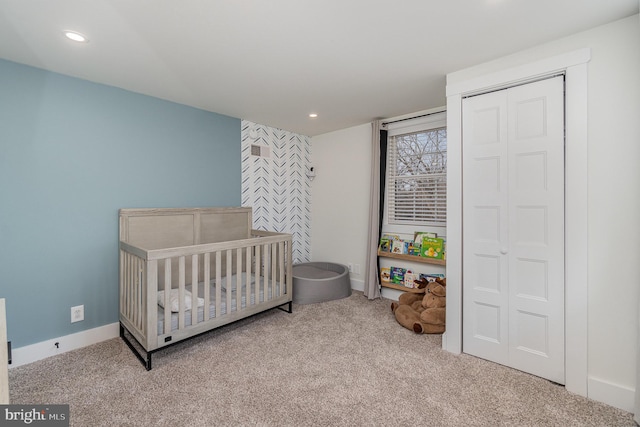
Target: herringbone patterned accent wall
<point x="275" y="183"/>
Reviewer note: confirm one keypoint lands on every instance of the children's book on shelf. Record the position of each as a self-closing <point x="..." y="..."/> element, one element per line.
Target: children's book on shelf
<point x="400" y="247"/>
<point x="397" y="275"/>
<point x="413" y="249"/>
<point x="385" y="275"/>
<point x="432" y="247"/>
<point x="431" y="277"/>
<point x="409" y="278"/>
<point x="385" y="245"/>
<point x="418" y="236"/>
<point x="386" y="242"/>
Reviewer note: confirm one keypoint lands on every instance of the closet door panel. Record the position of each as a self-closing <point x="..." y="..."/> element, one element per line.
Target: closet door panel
<point x="536" y="224"/>
<point x="485" y="322"/>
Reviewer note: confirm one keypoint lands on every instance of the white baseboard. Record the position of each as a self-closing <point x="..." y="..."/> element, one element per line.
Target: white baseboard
<point x="38" y="351"/>
<point x="392" y="294"/>
<point x="616" y="395"/>
<point x="357" y="284"/>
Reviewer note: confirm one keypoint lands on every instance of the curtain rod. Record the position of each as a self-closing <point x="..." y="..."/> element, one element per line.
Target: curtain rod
<point x="411" y="118"/>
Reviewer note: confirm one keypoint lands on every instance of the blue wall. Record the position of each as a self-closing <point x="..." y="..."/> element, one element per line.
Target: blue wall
<point x="71" y="154"/>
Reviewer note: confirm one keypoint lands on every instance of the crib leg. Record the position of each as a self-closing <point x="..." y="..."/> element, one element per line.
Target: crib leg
<point x="288" y="310"/>
<point x="146" y="363"/>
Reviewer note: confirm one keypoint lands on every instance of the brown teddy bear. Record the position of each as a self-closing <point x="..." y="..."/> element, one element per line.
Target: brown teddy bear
<point x="412" y="300"/>
<point x="423" y="313"/>
<point x="433" y="317"/>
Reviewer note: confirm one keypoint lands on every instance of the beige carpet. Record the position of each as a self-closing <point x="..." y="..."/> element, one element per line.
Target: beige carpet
<point x="340" y="363"/>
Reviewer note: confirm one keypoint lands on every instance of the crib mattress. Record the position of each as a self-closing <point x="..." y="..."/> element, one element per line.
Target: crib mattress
<point x="212" y="306"/>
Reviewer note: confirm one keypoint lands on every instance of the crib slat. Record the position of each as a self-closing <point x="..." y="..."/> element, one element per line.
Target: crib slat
<point x="127" y="287"/>
<point x="150" y="315"/>
<point x="238" y="279"/>
<point x="136" y="294"/>
<point x="267" y="271"/>
<point x="258" y="274"/>
<point x="134" y="302"/>
<point x="167" y="296"/>
<point x="142" y="293"/>
<point x="142" y="288"/>
<point x="290" y="268"/>
<point x="247" y="285"/>
<point x="135" y="270"/>
<point x="267" y="267"/>
<point x="181" y="283"/>
<point x="218" y="283"/>
<point x="228" y="272"/>
<point x="122" y="283"/>
<point x="207" y="280"/>
<point x="194" y="289"/>
<point x="132" y="292"/>
<point x="274" y="269"/>
<point x="281" y="268"/>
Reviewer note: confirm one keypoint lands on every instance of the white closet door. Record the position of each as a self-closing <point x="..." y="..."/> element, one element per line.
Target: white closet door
<point x="484" y="218"/>
<point x="536" y="225"/>
<point x="513" y="199"/>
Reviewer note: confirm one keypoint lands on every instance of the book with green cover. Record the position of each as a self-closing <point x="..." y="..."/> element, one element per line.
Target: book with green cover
<point x="419" y="235"/>
<point x="385" y="245"/>
<point x="432" y="247"/>
<point x="397" y="275"/>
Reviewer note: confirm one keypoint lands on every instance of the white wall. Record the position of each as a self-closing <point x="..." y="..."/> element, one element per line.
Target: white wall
<point x="340" y="208"/>
<point x="614" y="205"/>
<point x="614" y="202"/>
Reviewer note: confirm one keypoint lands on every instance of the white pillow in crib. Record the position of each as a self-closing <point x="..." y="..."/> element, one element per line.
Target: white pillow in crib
<point x="175" y="301"/>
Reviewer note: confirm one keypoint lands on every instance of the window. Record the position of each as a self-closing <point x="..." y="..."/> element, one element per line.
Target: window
<point x="417" y="177"/>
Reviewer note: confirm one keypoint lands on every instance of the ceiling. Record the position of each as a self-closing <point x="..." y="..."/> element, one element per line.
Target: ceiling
<point x="274" y="62"/>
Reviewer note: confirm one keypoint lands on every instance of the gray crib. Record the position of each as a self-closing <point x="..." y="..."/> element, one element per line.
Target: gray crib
<point x="187" y="271"/>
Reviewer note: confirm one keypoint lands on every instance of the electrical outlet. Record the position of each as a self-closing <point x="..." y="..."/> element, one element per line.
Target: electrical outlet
<point x="350" y="267"/>
<point x="77" y="313"/>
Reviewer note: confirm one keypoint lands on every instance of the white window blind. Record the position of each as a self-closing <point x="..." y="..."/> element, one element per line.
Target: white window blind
<point x="417" y="178"/>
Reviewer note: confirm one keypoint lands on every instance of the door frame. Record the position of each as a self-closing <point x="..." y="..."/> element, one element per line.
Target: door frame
<point x="574" y="66"/>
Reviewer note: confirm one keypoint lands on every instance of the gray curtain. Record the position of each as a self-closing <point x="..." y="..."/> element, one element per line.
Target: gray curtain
<point x="376" y="204"/>
<point x="636" y="408"/>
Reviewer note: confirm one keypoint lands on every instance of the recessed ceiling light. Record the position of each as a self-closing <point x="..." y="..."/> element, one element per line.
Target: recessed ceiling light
<point x="313" y="115"/>
<point x="75" y="36"/>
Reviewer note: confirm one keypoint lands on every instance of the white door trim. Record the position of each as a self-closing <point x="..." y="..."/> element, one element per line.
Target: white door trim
<point x="574" y="65"/>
